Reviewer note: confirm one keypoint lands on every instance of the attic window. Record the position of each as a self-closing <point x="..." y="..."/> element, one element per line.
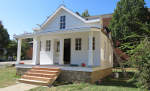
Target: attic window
<point x="62" y="22"/>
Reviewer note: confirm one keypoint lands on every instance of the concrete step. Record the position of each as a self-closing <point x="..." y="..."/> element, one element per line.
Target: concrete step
<point x="35" y="82"/>
<point x="40" y="74"/>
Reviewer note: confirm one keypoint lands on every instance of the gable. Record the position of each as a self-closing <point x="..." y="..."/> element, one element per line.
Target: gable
<point x="71" y="22"/>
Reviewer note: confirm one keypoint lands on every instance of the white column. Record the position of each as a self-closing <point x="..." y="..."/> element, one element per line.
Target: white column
<point x="52" y="51"/>
<point x="61" y="53"/>
<point x="19" y="51"/>
<point x="90" y="59"/>
<point x="36" y="50"/>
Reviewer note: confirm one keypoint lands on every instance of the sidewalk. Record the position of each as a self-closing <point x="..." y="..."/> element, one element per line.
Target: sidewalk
<point x="18" y="87"/>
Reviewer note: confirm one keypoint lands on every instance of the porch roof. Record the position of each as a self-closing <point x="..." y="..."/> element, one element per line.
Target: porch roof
<point x="73" y="30"/>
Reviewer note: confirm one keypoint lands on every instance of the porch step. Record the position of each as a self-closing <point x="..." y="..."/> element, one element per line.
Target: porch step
<point x="40" y="76"/>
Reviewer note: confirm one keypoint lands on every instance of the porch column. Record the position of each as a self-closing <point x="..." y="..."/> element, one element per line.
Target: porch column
<point x="61" y="53"/>
<point x="90" y="58"/>
<point x="36" y="50"/>
<point x="19" y="51"/>
<point x="52" y="51"/>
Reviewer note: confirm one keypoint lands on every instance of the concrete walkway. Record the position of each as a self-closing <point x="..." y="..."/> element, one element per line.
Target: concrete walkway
<point x="18" y="87"/>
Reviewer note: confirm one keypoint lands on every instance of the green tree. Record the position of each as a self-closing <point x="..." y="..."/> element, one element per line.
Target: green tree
<point x="4" y="38"/>
<point x="25" y="46"/>
<point x="130" y="24"/>
<point x="12" y="48"/>
<point x="141" y="60"/>
<point x="85" y="13"/>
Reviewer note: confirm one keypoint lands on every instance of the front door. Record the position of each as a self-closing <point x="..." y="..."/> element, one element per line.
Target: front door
<point x="67" y="51"/>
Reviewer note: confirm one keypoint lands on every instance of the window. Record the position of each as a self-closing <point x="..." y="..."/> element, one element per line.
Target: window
<point x="78" y="44"/>
<point x="93" y="43"/>
<point x="58" y="47"/>
<point x="105" y="51"/>
<point x="48" y="45"/>
<point x="62" y="22"/>
<point x="40" y="45"/>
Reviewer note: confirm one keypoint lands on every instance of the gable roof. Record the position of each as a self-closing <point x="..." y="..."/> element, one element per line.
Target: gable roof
<point x="62" y="7"/>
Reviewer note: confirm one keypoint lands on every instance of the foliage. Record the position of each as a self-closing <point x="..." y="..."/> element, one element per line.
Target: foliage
<point x="24" y="47"/>
<point x="4" y="38"/>
<point x="141" y="60"/>
<point x="130" y="24"/>
<point x="12" y="48"/>
<point x="85" y="13"/>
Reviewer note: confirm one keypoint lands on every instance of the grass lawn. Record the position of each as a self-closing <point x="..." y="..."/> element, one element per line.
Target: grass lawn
<point x="7" y="76"/>
<point x="106" y="86"/>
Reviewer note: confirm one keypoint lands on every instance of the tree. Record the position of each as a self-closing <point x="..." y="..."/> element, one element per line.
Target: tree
<point x="4" y="38"/>
<point x="130" y="24"/>
<point x="141" y="60"/>
<point x="12" y="48"/>
<point x="85" y="13"/>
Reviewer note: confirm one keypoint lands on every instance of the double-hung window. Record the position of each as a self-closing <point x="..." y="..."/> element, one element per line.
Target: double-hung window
<point x="93" y="43"/>
<point x="58" y="46"/>
<point x="78" y="44"/>
<point x="48" y="45"/>
<point x="40" y="45"/>
<point x="62" y="22"/>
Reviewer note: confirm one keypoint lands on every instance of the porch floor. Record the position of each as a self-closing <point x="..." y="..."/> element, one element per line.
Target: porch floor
<point x="28" y="64"/>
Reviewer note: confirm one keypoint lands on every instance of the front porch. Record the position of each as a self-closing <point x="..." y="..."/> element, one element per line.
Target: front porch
<point x="50" y="48"/>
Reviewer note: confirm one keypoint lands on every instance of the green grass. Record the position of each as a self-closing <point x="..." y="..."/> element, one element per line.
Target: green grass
<point x="7" y="76"/>
<point x="106" y="86"/>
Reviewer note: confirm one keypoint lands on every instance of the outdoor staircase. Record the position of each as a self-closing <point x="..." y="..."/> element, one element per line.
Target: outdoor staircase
<point x="40" y="76"/>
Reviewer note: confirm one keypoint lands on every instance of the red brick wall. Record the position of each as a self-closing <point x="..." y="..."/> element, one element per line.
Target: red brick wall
<point x="106" y="21"/>
<point x="29" y="53"/>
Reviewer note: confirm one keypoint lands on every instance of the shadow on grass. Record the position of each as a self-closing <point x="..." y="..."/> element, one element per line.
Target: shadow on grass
<point x="120" y="84"/>
<point x="57" y="83"/>
<point x="110" y="82"/>
<point x="123" y="82"/>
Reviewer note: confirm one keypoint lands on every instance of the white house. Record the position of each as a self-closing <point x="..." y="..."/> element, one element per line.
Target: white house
<point x="68" y="41"/>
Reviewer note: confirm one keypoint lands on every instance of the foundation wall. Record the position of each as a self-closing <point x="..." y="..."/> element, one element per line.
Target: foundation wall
<point x="76" y="76"/>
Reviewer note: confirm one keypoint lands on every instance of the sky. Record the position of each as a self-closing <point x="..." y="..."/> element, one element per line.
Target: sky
<point x="19" y="16"/>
